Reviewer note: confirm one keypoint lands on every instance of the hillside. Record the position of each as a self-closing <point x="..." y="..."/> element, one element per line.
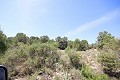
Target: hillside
<point x="31" y="58"/>
<point x="89" y="57"/>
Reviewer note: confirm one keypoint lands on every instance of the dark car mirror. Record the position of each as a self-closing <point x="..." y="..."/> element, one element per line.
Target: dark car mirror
<point x="3" y="73"/>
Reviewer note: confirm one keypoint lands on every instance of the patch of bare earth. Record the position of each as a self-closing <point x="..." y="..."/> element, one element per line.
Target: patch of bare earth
<point x="90" y="58"/>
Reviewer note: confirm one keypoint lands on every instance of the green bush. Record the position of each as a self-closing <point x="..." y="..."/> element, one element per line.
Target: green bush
<point x="21" y="37"/>
<point x="3" y="45"/>
<point x="75" y="59"/>
<point x="84" y="45"/>
<point x="44" y="39"/>
<point x="46" y="53"/>
<point x="62" y="42"/>
<point x="106" y="41"/>
<point x="14" y="57"/>
<point x="33" y="39"/>
<point x="89" y="74"/>
<point x="76" y="44"/>
<point x="110" y="62"/>
<point x="101" y="77"/>
<point x="65" y="61"/>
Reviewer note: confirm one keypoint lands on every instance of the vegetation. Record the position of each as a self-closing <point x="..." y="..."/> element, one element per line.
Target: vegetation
<point x="110" y="55"/>
<point x="106" y="41"/>
<point x="44" y="39"/>
<point x="3" y="45"/>
<point x="21" y="37"/>
<point x="41" y="58"/>
<point x="62" y="42"/>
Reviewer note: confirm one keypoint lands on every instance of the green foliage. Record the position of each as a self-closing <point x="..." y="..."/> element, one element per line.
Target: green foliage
<point x="89" y="74"/>
<point x="3" y="45"/>
<point x="62" y="42"/>
<point x="13" y="58"/>
<point x="109" y="56"/>
<point x="81" y="45"/>
<point x="44" y="39"/>
<point x="32" y="58"/>
<point x="65" y="61"/>
<point x="75" y="59"/>
<point x="42" y="54"/>
<point x="46" y="53"/>
<point x="33" y="39"/>
<point x="93" y="45"/>
<point x="106" y="40"/>
<point x="117" y="48"/>
<point x="21" y="37"/>
<point x="110" y="62"/>
<point x="77" y="44"/>
<point x="11" y="41"/>
<point x="84" y="45"/>
<point x="70" y="44"/>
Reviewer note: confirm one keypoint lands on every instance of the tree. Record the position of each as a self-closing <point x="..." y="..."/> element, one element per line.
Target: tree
<point x="111" y="63"/>
<point x="93" y="45"/>
<point x="106" y="40"/>
<point x="71" y="44"/>
<point x="21" y="37"/>
<point x="44" y="39"/>
<point x="3" y="45"/>
<point x="84" y="45"/>
<point x="77" y="44"/>
<point x="62" y="42"/>
<point x="58" y="39"/>
<point x="11" y="41"/>
<point x="33" y="39"/>
<point x="81" y="45"/>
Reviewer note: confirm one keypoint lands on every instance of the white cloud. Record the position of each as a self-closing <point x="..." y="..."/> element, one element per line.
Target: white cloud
<point x="94" y="23"/>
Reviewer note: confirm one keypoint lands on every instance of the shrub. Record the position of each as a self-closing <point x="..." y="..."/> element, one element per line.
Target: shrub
<point x="84" y="45"/>
<point x="44" y="39"/>
<point x="21" y="37"/>
<point x="3" y="45"/>
<point x="75" y="74"/>
<point x="62" y="42"/>
<point x="75" y="59"/>
<point x="110" y="62"/>
<point x="106" y="40"/>
<point x="33" y="39"/>
<point x="65" y="61"/>
<point x="46" y="54"/>
<point x="14" y="57"/>
<point x="76" y="44"/>
<point x="89" y="74"/>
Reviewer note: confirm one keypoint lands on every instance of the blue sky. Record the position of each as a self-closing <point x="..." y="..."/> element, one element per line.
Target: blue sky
<point x="82" y="19"/>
